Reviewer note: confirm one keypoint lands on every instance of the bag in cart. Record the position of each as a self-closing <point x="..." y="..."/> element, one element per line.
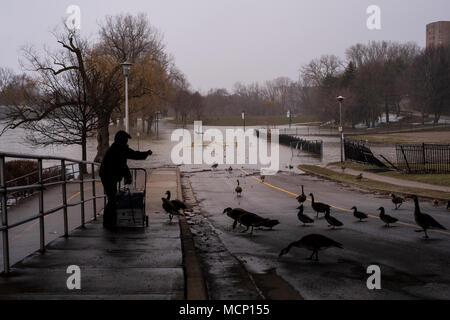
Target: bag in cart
<point x="131" y="209"/>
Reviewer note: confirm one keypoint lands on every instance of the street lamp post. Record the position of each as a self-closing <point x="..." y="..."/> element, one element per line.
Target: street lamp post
<point x="243" y="118"/>
<point x="126" y="72"/>
<point x="289" y="115"/>
<point x="341" y="128"/>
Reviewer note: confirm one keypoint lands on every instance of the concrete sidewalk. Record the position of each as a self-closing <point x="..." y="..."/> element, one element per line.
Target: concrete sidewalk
<point x="390" y="180"/>
<point x="146" y="264"/>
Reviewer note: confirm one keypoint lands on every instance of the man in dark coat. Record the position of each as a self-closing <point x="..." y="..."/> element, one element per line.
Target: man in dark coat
<point x="114" y="168"/>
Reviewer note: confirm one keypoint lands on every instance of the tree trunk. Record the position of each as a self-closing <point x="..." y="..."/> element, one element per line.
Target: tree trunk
<point x="386" y="106"/>
<point x="102" y="138"/>
<point x="84" y="152"/>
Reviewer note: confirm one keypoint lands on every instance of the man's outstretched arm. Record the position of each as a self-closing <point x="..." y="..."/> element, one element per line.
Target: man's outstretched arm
<point x="137" y="155"/>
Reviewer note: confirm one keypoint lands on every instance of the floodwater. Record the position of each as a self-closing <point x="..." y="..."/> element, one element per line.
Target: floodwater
<point x="14" y="141"/>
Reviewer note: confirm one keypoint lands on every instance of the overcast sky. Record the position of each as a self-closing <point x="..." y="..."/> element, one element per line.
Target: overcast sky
<point x="219" y="42"/>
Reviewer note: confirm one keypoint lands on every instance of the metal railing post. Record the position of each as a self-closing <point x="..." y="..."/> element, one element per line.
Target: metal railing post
<point x="64" y="195"/>
<point x="4" y="208"/>
<point x="41" y="207"/>
<point x="94" y="193"/>
<point x="80" y="169"/>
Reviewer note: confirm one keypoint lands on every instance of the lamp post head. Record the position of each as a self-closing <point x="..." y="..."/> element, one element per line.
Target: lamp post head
<point x="126" y="68"/>
<point x="340" y="98"/>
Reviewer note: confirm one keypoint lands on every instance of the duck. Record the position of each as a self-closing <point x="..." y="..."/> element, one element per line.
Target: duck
<point x="397" y="201"/>
<point x="302" y="198"/>
<point x="215" y="166"/>
<point x="333" y="222"/>
<point x="359" y="176"/>
<point x="386" y="218"/>
<point x="169" y="208"/>
<point x="302" y="217"/>
<point x="318" y="207"/>
<point x="251" y="220"/>
<point x="436" y="203"/>
<point x="314" y="243"/>
<point x="359" y="215"/>
<point x="424" y="220"/>
<point x="178" y="204"/>
<point x="235" y="214"/>
<point x="238" y="189"/>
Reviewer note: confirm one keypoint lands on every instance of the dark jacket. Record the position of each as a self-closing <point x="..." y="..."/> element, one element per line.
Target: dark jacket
<point x="114" y="166"/>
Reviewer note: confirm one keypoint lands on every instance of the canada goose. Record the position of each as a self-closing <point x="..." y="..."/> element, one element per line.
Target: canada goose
<point x="359" y="215"/>
<point x="263" y="179"/>
<point x="436" y="203"/>
<point x="333" y="222"/>
<point x="359" y="176"/>
<point x="314" y="243"/>
<point x="169" y="208"/>
<point x="176" y="203"/>
<point x="270" y="223"/>
<point x="215" y="166"/>
<point x="318" y="207"/>
<point x="386" y="218"/>
<point x="302" y="198"/>
<point x="238" y="189"/>
<point x="302" y="217"/>
<point x="234" y="214"/>
<point x="230" y="169"/>
<point x="397" y="201"/>
<point x="448" y="205"/>
<point x="251" y="220"/>
<point x="425" y="221"/>
<point x="291" y="167"/>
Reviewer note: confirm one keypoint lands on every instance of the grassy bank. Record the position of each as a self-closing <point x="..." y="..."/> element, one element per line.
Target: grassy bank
<point x="437" y="179"/>
<point x="252" y="121"/>
<point x="373" y="185"/>
<point x="442" y="136"/>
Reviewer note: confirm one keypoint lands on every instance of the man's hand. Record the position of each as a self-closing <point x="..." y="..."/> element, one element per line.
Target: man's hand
<point x="149" y="152"/>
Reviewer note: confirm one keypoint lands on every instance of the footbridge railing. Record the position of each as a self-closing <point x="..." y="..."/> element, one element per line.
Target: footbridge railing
<point x="66" y="177"/>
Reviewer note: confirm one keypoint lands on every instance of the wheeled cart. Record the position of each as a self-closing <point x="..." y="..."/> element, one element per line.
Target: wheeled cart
<point x="131" y="202"/>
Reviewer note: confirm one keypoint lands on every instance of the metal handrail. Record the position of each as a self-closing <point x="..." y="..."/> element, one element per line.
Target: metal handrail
<point x="41" y="186"/>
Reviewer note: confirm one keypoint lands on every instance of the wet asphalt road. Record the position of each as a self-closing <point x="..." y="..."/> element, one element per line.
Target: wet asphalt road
<point x="411" y="267"/>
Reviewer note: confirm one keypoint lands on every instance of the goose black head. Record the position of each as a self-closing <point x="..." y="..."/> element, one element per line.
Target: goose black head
<point x="380" y="209"/>
<point x="227" y="210"/>
<point x="354" y="208"/>
<point x="412" y="196"/>
<point x="311" y="195"/>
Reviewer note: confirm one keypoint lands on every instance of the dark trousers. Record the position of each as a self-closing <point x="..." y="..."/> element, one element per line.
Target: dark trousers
<point x="110" y="213"/>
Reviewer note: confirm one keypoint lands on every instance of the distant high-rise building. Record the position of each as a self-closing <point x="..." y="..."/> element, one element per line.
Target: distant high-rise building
<point x="438" y="33"/>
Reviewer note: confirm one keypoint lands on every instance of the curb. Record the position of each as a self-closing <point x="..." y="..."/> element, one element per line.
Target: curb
<point x="309" y="172"/>
<point x="195" y="283"/>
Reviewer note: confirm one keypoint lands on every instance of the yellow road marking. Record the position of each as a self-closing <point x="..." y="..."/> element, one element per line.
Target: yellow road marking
<point x="335" y="207"/>
<point x="75" y="195"/>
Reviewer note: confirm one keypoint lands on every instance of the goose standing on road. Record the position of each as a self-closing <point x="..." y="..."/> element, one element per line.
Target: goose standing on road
<point x="397" y="201"/>
<point x="314" y="243"/>
<point x="302" y="198"/>
<point x="238" y="189"/>
<point x="318" y="207"/>
<point x="251" y="220"/>
<point x="386" y="218"/>
<point x="359" y="215"/>
<point x="424" y="220"/>
<point x="215" y="166"/>
<point x="332" y="221"/>
<point x="303" y="217"/>
<point x="235" y="214"/>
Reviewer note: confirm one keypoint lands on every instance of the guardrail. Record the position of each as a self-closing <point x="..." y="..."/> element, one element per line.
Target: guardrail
<point x="40" y="186"/>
